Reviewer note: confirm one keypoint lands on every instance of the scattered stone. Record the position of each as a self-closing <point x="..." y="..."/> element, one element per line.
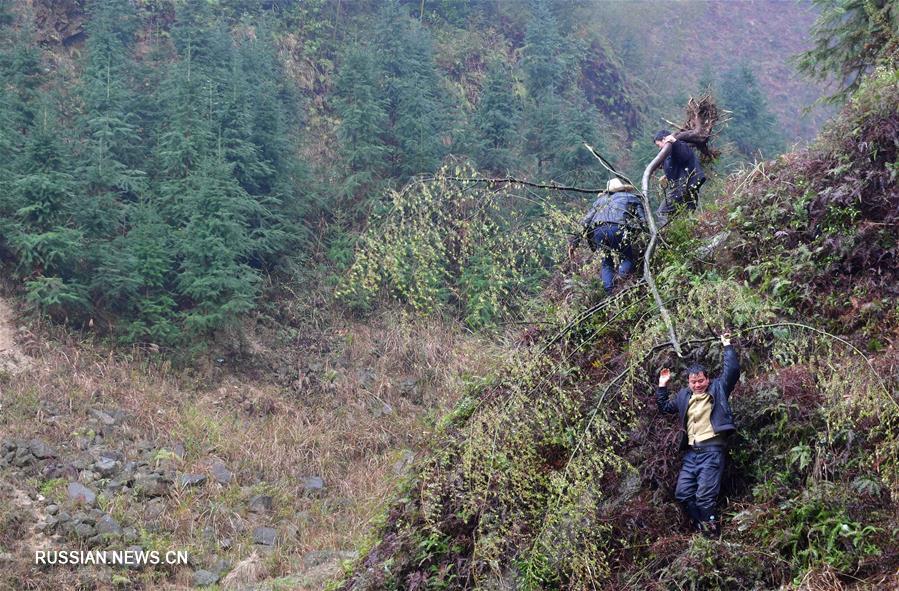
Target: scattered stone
<point x="381" y="410"/>
<point x="114" y="486"/>
<point x="136" y="565"/>
<point x="220" y="567"/>
<point x="366" y="377"/>
<point x="80" y="494"/>
<point x="22" y="458"/>
<point x="221" y="473"/>
<point x="179" y="451"/>
<point x="129" y="535"/>
<point x="150" y="485"/>
<point x="106" y="467"/>
<point x="108" y="526"/>
<point x="85" y="530"/>
<point x="154" y="509"/>
<point x="226" y="543"/>
<point x="50" y="522"/>
<point x="186" y="480"/>
<point x="265" y="536"/>
<point x="103" y="417"/>
<point x="52" y="509"/>
<point x="204" y="578"/>
<point x="111" y="453"/>
<point x="261" y="504"/>
<point x="40" y="449"/>
<point x="411" y="391"/>
<point x="87" y="476"/>
<point x="313" y="485"/>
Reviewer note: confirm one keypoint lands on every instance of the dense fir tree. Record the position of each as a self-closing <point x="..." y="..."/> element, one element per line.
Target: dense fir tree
<point x="214" y="247"/>
<point x="48" y="245"/>
<point x="411" y="87"/>
<point x="495" y="122"/>
<point x="850" y="37"/>
<point x="752" y="127"/>
<point x="572" y="162"/>
<point x="544" y="57"/>
<point x="111" y="145"/>
<point x="363" y="120"/>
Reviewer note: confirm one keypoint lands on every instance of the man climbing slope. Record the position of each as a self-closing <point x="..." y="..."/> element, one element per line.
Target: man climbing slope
<point x="609" y="225"/>
<point x="706" y="422"/>
<point x="683" y="172"/>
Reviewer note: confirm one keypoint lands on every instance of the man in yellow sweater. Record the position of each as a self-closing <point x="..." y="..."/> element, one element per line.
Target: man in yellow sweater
<point x="706" y="422"/>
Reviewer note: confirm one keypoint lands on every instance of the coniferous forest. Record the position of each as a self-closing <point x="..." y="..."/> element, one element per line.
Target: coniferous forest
<point x="294" y="288"/>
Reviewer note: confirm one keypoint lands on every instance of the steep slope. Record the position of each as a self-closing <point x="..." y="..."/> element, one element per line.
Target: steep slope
<point x="558" y="472"/>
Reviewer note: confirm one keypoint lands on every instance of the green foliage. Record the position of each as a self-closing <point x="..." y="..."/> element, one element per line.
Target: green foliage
<point x="815" y="528"/>
<point x="850" y="38"/>
<point x="752" y="128"/>
<point x="440" y="244"/>
<point x="410" y="86"/>
<point x="363" y="119"/>
<point x="496" y="122"/>
<point x="159" y="206"/>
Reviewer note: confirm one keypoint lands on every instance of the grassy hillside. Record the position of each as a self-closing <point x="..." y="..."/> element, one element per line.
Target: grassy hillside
<point x="558" y="472"/>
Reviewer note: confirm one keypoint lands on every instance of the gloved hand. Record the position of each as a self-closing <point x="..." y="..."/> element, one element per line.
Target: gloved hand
<point x="725" y="338"/>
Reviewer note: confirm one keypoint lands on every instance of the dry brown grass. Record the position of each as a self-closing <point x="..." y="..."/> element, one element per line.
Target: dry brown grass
<point x="333" y="422"/>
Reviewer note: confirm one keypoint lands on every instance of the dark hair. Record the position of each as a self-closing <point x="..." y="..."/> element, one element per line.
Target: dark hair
<point x="697" y="368"/>
<point x="661" y="134"/>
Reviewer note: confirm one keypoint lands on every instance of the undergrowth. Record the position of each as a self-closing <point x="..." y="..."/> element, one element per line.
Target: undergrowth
<point x="558" y="472"/>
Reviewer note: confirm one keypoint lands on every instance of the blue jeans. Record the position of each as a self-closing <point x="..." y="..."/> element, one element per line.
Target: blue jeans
<point x="610" y="238"/>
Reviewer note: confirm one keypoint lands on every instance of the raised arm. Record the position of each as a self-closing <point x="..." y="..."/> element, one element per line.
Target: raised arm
<point x="731" y="365"/>
<point x="665" y="406"/>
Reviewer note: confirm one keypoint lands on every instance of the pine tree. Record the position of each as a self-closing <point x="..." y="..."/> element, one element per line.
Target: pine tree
<point x="411" y="87"/>
<point x="363" y="120"/>
<point x="543" y="55"/>
<point x="572" y="163"/>
<point x="752" y="128"/>
<point x="47" y="245"/>
<point x="213" y="248"/>
<point x="495" y="122"/>
<point x="850" y="37"/>
<point x="112" y="146"/>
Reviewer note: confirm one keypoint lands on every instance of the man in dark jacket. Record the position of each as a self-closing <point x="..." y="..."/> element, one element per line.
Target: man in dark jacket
<point x="610" y="224"/>
<point x="706" y="422"/>
<point x="683" y="172"/>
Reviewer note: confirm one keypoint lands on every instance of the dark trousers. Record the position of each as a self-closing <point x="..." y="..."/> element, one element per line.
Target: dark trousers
<point x="699" y="483"/>
<point x="611" y="238"/>
<point x="682" y="195"/>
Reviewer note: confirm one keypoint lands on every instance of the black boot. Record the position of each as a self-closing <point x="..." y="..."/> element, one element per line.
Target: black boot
<point x="693" y="513"/>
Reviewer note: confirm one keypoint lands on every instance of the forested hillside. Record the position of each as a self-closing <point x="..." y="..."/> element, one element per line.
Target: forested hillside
<point x="284" y="287"/>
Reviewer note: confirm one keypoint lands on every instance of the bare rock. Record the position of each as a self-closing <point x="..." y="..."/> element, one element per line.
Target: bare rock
<point x="265" y="536"/>
<point x="204" y="578"/>
<point x="108" y="526"/>
<point x="188" y="480"/>
<point x="314" y="485"/>
<point x="40" y="449"/>
<point x="80" y="494"/>
<point x="221" y="473"/>
<point x="151" y="485"/>
<point x="261" y="504"/>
